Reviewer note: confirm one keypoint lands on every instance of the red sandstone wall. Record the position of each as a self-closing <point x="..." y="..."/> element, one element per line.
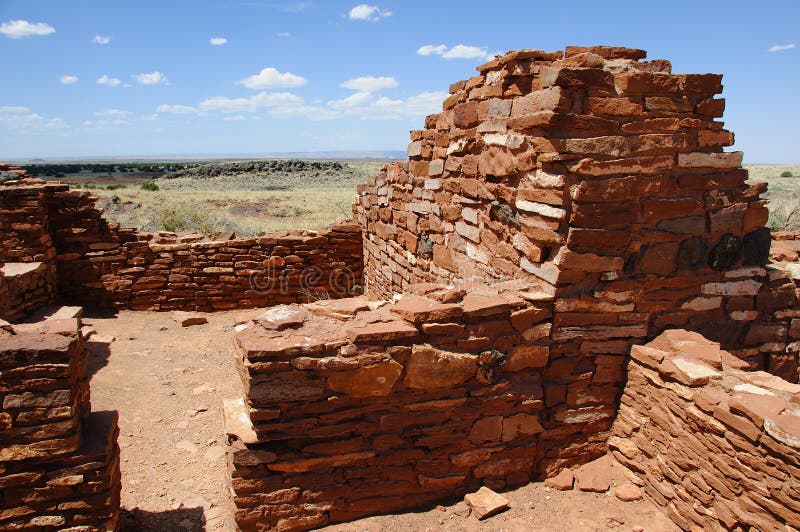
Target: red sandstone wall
<point x="60" y="463"/>
<point x="717" y="448"/>
<point x="100" y="264"/>
<point x="601" y="178"/>
<point x="360" y="407"/>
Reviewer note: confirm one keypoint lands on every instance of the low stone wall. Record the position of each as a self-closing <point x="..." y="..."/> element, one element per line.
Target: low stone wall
<point x="716" y="447"/>
<point x="243" y="273"/>
<point x="356" y="407"/>
<point x="59" y="463"/>
<point x="90" y="261"/>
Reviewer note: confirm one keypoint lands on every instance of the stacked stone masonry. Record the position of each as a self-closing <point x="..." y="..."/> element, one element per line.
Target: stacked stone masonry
<point x="59" y="462"/>
<point x="718" y="448"/>
<point x="55" y="243"/>
<point x="355" y="407"/>
<point x="600" y="177"/>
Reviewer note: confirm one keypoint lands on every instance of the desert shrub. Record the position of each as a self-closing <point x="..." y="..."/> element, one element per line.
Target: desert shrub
<point x="149" y="185"/>
<point x="90" y="187"/>
<point x="787" y="173"/>
<point x="784" y="213"/>
<point x="188" y="217"/>
<point x="115" y="187"/>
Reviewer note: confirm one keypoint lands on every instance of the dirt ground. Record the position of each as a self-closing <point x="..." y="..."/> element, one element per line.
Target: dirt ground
<point x="168" y="383"/>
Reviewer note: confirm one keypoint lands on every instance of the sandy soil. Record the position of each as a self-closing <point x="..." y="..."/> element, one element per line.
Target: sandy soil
<point x="168" y="383"/>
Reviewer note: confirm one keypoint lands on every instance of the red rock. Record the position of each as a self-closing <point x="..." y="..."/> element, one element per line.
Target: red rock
<point x="628" y="492"/>
<point x="562" y="482"/>
<point x="481" y="306"/>
<point x="368" y="381"/>
<point x="282" y="317"/>
<point x="418" y="309"/>
<point x="431" y="368"/>
<point x="381" y="332"/>
<point x="485" y="503"/>
<point x="187" y="319"/>
<point x="595" y="476"/>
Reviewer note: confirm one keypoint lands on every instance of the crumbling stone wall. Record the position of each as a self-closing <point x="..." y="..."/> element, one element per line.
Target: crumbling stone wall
<point x="59" y="462"/>
<point x="599" y="177"/>
<point x="716" y="447"/>
<point x="355" y="407"/>
<point x="27" y="256"/>
<point x="71" y="252"/>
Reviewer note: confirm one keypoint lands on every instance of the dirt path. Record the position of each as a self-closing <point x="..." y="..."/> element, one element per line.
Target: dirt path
<point x="168" y="383"/>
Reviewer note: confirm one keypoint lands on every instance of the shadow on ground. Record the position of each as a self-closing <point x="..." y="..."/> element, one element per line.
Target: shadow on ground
<point x="189" y="519"/>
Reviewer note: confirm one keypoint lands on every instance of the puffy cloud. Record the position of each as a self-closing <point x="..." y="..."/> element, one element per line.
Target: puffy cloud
<point x="107" y="123"/>
<point x="111" y="82"/>
<point x="151" y="78"/>
<point x="284" y="34"/>
<point x="368" y="13"/>
<point x="369" y="106"/>
<point x="217" y="41"/>
<point x="270" y="78"/>
<point x="112" y="112"/>
<point x="252" y="104"/>
<point x="459" y="51"/>
<point x="176" y="109"/>
<point x="68" y="79"/>
<point x="21" y="119"/>
<point x="17" y="29"/>
<point x="235" y="118"/>
<point x="781" y="47"/>
<point x="101" y="39"/>
<point x="369" y="83"/>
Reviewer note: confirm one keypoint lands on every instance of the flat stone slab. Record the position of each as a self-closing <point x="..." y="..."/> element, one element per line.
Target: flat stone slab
<point x="485" y="503"/>
<point x="187" y="319"/>
<point x="19" y="269"/>
<point x="595" y="476"/>
<point x="561" y="482"/>
<point x="236" y="421"/>
<point x="56" y="312"/>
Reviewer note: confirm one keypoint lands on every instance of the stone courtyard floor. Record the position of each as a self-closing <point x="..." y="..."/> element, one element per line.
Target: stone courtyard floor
<point x="168" y="383"/>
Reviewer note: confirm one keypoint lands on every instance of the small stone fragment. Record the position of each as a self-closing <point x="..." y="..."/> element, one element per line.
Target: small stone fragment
<point x="562" y="482"/>
<point x="187" y="319"/>
<point x="485" y="503"/>
<point x="628" y="492"/>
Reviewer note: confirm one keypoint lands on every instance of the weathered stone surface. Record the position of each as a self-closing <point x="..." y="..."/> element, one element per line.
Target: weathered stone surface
<point x="594" y="476"/>
<point x="430" y="368"/>
<point x="368" y="381"/>
<point x="417" y="309"/>
<point x="562" y="482"/>
<point x="485" y="503"/>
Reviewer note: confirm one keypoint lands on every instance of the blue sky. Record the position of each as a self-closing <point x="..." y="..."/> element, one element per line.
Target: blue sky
<point x="116" y="78"/>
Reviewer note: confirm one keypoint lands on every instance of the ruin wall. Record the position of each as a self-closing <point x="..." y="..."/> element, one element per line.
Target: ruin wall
<point x="56" y="244"/>
<point x="59" y="462"/>
<point x="716" y="447"/>
<point x="600" y="178"/>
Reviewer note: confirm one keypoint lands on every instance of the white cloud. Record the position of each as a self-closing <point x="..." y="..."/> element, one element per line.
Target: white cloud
<point x="270" y="78"/>
<point x="107" y="123"/>
<point x="217" y="41"/>
<point x="151" y="78"/>
<point x="176" y="109"/>
<point x="369" y="83"/>
<point x="111" y="82"/>
<point x="17" y="29"/>
<point x="781" y="47"/>
<point x="112" y="112"/>
<point x="369" y="106"/>
<point x="368" y="13"/>
<point x="234" y="118"/>
<point x="23" y="120"/>
<point x="101" y="39"/>
<point x="429" y="49"/>
<point x="459" y="51"/>
<point x="284" y="34"/>
<point x="68" y="79"/>
<point x="251" y="104"/>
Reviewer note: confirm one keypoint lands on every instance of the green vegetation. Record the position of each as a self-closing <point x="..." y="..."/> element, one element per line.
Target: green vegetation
<point x="115" y="187"/>
<point x="786" y="174"/>
<point x="149" y="185"/>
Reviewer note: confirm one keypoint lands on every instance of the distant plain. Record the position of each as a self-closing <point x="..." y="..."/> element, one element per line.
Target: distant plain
<point x="256" y="202"/>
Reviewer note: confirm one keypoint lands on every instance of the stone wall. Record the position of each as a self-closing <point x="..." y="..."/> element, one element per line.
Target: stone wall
<point x="242" y="273"/>
<point x="354" y="407"/>
<point x="59" y="463"/>
<point x="716" y="447"/>
<point x="600" y="178"/>
<point x="72" y="252"/>
<point x="27" y="256"/>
